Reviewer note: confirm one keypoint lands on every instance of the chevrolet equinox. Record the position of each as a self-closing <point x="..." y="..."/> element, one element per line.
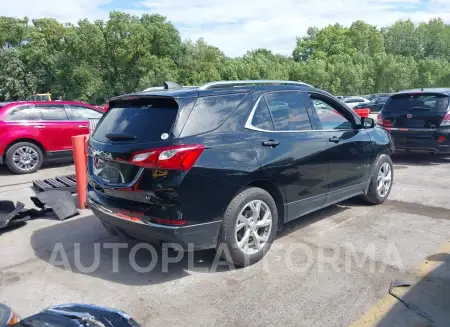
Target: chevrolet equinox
<point x="229" y="163"/>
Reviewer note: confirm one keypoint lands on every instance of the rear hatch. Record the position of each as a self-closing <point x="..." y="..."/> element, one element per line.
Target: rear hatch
<point x="415" y="112"/>
<point x="125" y="152"/>
<point x="417" y="120"/>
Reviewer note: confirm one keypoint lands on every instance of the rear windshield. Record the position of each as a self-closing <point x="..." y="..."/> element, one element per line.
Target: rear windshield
<point x="145" y="120"/>
<point x="423" y="101"/>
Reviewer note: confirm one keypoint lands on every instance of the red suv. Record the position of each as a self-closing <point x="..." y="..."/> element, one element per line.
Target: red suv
<point x="34" y="131"/>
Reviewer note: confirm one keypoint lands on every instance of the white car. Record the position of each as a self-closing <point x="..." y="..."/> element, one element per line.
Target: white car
<point x="354" y="101"/>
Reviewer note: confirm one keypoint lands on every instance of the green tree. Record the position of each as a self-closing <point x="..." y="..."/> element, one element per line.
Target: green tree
<point x="404" y="39"/>
<point x="15" y="81"/>
<point x="95" y="60"/>
<point x="13" y="31"/>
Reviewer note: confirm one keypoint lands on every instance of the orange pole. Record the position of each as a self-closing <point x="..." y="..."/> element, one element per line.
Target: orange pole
<point x="79" y="157"/>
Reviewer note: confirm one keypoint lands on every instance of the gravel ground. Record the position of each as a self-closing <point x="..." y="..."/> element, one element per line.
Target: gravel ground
<point x="325" y="269"/>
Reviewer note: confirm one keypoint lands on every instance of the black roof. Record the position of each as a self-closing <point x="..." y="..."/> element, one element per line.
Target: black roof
<point x="440" y="90"/>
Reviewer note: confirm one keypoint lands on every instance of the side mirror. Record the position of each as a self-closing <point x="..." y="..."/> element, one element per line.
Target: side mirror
<point x="367" y="122"/>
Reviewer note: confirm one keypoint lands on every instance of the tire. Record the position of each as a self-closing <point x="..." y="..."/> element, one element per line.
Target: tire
<point x="373" y="196"/>
<point x="228" y="245"/>
<point x="31" y="149"/>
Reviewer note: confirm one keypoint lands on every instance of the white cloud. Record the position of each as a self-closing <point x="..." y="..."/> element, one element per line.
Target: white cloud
<point x="236" y="26"/>
<point x="63" y="10"/>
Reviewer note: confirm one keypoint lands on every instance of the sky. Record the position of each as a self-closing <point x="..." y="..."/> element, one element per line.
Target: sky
<point x="236" y="26"/>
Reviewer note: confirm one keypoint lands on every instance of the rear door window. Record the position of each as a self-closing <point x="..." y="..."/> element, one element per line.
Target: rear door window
<point x="288" y="111"/>
<point x="262" y="118"/>
<point x="145" y="120"/>
<point x="210" y="112"/>
<point x="52" y="112"/>
<point x="20" y="113"/>
<point x="417" y="102"/>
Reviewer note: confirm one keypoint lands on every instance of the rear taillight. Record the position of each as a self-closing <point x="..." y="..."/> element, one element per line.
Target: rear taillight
<point x="383" y="122"/>
<point x="446" y="120"/>
<point x="387" y="124"/>
<point x="178" y="157"/>
<point x="379" y="119"/>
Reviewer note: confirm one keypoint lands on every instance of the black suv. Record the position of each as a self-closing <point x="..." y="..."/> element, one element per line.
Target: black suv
<point x="228" y="163"/>
<point x="419" y="120"/>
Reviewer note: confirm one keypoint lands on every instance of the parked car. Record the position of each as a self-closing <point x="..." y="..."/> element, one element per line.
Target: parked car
<point x="371" y="97"/>
<point x="229" y="163"/>
<point x="418" y="120"/>
<point x="36" y="131"/>
<point x="68" y="315"/>
<point x="375" y="105"/>
<point x="353" y="101"/>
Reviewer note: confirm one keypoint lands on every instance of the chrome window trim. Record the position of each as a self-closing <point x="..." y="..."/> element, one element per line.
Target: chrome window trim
<point x="248" y="124"/>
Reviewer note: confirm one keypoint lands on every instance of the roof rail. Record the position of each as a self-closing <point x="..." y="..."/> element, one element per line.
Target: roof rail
<point x="220" y="84"/>
<point x="156" y="88"/>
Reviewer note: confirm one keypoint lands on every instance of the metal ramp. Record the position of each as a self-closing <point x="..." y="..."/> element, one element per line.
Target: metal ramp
<point x="62" y="183"/>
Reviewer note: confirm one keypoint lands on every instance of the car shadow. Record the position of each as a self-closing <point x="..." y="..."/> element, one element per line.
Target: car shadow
<point x="309" y="219"/>
<point x="427" y="301"/>
<point x="12" y="227"/>
<point x="83" y="246"/>
<point x="60" y="163"/>
<point x="419" y="159"/>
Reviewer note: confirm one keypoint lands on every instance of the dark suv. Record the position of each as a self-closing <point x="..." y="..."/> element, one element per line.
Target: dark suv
<point x="228" y="163"/>
<point x="419" y="120"/>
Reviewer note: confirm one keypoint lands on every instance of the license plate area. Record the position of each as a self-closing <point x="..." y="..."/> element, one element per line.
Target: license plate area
<point x="113" y="172"/>
<point x="415" y="123"/>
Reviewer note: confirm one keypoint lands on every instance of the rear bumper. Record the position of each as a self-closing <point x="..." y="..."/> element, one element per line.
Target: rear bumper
<point x="437" y="150"/>
<point x="427" y="142"/>
<point x="192" y="237"/>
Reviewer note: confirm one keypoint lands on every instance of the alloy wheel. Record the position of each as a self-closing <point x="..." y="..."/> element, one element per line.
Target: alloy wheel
<point x="25" y="158"/>
<point x="384" y="179"/>
<point x="253" y="227"/>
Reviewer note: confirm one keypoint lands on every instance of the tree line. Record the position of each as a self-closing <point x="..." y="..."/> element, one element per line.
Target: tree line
<point x="94" y="60"/>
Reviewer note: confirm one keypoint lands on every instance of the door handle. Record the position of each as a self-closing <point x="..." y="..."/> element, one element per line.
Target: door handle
<point x="83" y="126"/>
<point x="39" y="126"/>
<point x="271" y="143"/>
<point x="335" y="139"/>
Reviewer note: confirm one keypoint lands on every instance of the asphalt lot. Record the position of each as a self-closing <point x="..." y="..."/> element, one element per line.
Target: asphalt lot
<point x="326" y="269"/>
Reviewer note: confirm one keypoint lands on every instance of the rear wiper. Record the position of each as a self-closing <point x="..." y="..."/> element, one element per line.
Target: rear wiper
<point x="120" y="137"/>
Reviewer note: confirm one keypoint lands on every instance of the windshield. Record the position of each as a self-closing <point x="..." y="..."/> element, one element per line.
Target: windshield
<point x="426" y="102"/>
